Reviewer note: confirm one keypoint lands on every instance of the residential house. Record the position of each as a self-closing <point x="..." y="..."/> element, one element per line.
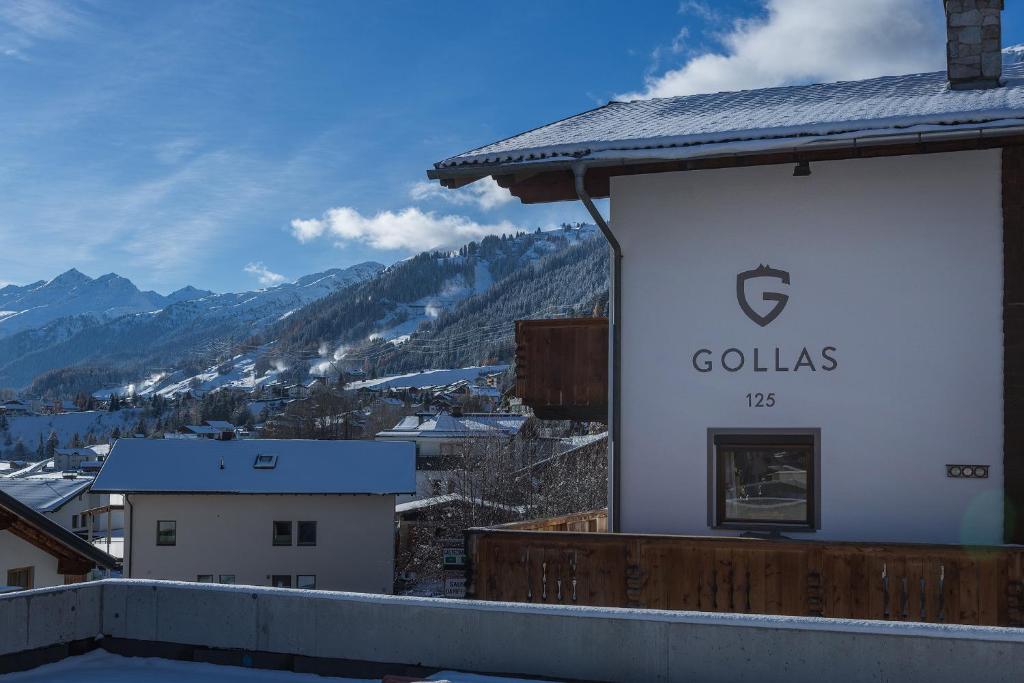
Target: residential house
<point x="36" y="552"/>
<point x="828" y="280"/>
<point x="306" y="514"/>
<point x="15" y="407"/>
<point x="73" y="458"/>
<point x="440" y="435"/>
<point x="64" y="498"/>
<point x="211" y="429"/>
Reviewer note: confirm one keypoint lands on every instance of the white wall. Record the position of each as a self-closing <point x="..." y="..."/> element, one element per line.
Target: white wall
<point x="232" y="534"/>
<point x="16" y="553"/>
<point x="896" y="262"/>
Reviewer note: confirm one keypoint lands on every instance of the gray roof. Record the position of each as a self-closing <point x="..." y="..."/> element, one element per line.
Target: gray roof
<point x="446" y="426"/>
<point x="316" y="467"/>
<point x="762" y="120"/>
<point x="44" y="495"/>
<point x="32" y="518"/>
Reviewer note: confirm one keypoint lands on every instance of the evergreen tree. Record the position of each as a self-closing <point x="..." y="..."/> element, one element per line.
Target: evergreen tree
<point x="51" y="444"/>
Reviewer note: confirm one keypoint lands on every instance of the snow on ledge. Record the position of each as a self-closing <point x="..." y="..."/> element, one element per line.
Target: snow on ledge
<point x="757" y="621"/>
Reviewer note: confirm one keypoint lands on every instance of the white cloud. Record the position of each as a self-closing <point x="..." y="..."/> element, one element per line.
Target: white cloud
<point x="813" y="41"/>
<point x="266" y="277"/>
<point x="24" y="22"/>
<point x="307" y="230"/>
<point x="486" y="193"/>
<point x="409" y="228"/>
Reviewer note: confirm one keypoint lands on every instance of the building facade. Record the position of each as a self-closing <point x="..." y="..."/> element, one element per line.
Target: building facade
<point x="287" y="513"/>
<point x="816" y="290"/>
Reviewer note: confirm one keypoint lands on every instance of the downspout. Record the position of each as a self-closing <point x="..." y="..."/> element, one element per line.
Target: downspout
<point x="579" y="170"/>
<point x="131" y="533"/>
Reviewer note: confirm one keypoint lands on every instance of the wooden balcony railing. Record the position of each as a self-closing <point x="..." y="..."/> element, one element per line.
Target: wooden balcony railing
<point x="927" y="583"/>
<point x="592" y="521"/>
<point x="562" y="367"/>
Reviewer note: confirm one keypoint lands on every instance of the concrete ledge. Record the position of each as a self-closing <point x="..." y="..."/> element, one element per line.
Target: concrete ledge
<point x="356" y="634"/>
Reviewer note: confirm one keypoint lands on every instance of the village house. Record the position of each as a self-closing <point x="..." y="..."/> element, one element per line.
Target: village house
<point x="36" y="552"/>
<point x="63" y="498"/>
<point x="15" y="407"/>
<point x="438" y="436"/>
<point x="287" y="513"/>
<point x="66" y="459"/>
<point x="218" y="430"/>
<point x="827" y="278"/>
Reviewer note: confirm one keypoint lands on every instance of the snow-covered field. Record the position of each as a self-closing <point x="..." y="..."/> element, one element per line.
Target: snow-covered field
<point x="99" y="666"/>
<point x="97" y="422"/>
<point x="427" y="378"/>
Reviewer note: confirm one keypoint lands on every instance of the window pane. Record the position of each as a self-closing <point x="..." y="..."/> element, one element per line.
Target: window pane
<point x="307" y="533"/>
<point x="282" y="533"/>
<point x="227" y="578"/>
<point x="281" y="581"/>
<point x="307" y="581"/>
<point x="166" y="533"/>
<point x="21" y="577"/>
<point x="764" y="484"/>
<point x="205" y="578"/>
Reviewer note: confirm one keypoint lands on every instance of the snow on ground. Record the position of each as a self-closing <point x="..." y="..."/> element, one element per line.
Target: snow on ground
<point x="100" y="666"/>
<point x="238" y="373"/>
<point x="98" y="422"/>
<point x="427" y="378"/>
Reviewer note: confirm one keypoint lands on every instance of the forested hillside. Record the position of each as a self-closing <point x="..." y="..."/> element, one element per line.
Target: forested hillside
<point x="531" y="275"/>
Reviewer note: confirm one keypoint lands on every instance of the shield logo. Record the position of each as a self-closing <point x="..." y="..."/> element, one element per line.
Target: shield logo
<point x="779" y="298"/>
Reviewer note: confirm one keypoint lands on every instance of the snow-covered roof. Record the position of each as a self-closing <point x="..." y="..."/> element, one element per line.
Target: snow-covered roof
<point x="44" y="494"/>
<point x="194" y="466"/>
<point x="762" y="120"/>
<point x="221" y="425"/>
<point x="445" y="425"/>
<point x="202" y="429"/>
<point x="450" y="498"/>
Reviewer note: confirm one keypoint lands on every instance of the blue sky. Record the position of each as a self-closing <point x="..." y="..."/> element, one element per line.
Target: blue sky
<point x="233" y="144"/>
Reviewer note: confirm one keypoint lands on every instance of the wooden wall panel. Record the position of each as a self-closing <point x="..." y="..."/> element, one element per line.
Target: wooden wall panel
<point x="562" y="367"/>
<point x="930" y="583"/>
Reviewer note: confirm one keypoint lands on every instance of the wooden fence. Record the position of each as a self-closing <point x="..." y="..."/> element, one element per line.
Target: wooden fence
<point x="562" y="367"/>
<point x="593" y="521"/>
<point x="928" y="583"/>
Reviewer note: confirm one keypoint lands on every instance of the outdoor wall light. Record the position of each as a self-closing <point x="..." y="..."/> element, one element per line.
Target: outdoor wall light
<point x="967" y="471"/>
<point x="802" y="169"/>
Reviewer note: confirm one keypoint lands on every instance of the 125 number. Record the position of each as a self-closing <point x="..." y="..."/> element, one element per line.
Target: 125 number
<point x="761" y="400"/>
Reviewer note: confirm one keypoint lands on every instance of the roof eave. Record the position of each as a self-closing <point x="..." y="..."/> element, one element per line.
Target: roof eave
<point x="542" y="181"/>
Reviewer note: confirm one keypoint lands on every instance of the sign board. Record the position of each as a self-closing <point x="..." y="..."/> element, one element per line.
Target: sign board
<point x="455" y="587"/>
<point x="454" y="557"/>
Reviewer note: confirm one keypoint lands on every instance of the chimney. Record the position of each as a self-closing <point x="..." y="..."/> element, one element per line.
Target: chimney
<point x="973" y="43"/>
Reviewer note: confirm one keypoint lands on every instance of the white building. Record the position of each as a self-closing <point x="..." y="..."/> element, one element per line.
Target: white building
<point x="73" y="458"/>
<point x="306" y="514"/>
<point x="442" y="434"/>
<point x="817" y="288"/>
<point x="36" y="552"/>
<point x="65" y="499"/>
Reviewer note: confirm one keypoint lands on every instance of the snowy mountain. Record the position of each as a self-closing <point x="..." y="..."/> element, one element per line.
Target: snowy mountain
<point x="75" y="294"/>
<point x="143" y="329"/>
<point x="437" y="309"/>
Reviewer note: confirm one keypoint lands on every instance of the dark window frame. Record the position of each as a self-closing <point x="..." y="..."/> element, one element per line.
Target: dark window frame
<point x="805" y="437"/>
<point x="298" y="533"/>
<point x="204" y="578"/>
<point x="174" y="540"/>
<point x="274" y="534"/>
<point x="226" y="579"/>
<point x="287" y="579"/>
<point x="308" y="588"/>
<point x="15" y="575"/>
